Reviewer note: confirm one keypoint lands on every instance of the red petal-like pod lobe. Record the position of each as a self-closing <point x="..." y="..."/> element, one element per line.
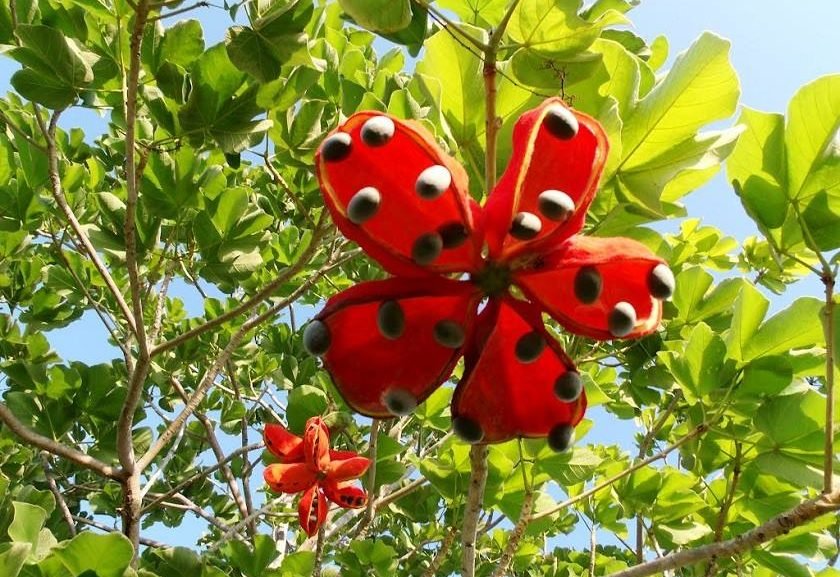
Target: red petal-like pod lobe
<point x="385" y="355"/>
<point x="316" y="444"/>
<point x="391" y="189"/>
<point x="513" y="371"/>
<point x="282" y="444"/>
<point x="312" y="510"/>
<point x="602" y="288"/>
<point x="347" y="469"/>
<point x="345" y="494"/>
<point x="289" y="478"/>
<point x="558" y="157"/>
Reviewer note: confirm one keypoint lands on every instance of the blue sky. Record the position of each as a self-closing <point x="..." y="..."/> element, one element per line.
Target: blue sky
<point x="777" y="46"/>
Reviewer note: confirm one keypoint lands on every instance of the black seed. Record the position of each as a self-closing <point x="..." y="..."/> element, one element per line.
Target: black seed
<point x="467" y="430"/>
<point x="555" y="205"/>
<point x="336" y="147"/>
<point x="661" y="282"/>
<point x="449" y="334"/>
<point x="363" y="205"/>
<point x="561" y="122"/>
<point x="622" y="319"/>
<point x="433" y="182"/>
<point x="316" y="338"/>
<point x="568" y="386"/>
<point x="529" y="347"/>
<point x="378" y="131"/>
<point x="399" y="402"/>
<point x="588" y="285"/>
<point x="560" y="438"/>
<point x="390" y="319"/>
<point x="526" y="226"/>
<point x="453" y="234"/>
<point x="427" y="248"/>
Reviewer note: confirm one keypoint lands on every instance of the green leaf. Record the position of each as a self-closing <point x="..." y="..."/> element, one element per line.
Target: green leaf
<point x="182" y="43"/>
<point x="45" y="90"/>
<point x="783" y="565"/>
<point x="379" y="15"/>
<point x="27" y="524"/>
<point x="482" y="13"/>
<point x="451" y="75"/>
<point x="699" y="366"/>
<point x="749" y="311"/>
<point x="45" y="48"/>
<point x="811" y="136"/>
<point x="700" y="88"/>
<point x="553" y="27"/>
<point x="766" y="376"/>
<point x="791" y="418"/>
<point x="106" y="555"/>
<point x="305" y="401"/>
<point x="798" y="326"/>
<point x="12" y="558"/>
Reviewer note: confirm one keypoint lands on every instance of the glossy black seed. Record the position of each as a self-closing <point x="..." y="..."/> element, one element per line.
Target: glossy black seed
<point x="467" y="430"/>
<point x="449" y="334"/>
<point x="363" y="205"/>
<point x="336" y="147"/>
<point x="588" y="285"/>
<point x="399" y="402"/>
<point x="568" y="386"/>
<point x="525" y="226"/>
<point x="316" y="338"/>
<point x="390" y="319"/>
<point x="433" y="182"/>
<point x="427" y="248"/>
<point x="622" y="319"/>
<point x="561" y="122"/>
<point x="555" y="205"/>
<point x="561" y="437"/>
<point x="529" y="347"/>
<point x="378" y="131"/>
<point x="661" y="282"/>
<point x="453" y="235"/>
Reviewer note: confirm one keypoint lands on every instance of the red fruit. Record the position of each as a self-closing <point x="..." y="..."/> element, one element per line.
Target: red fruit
<point x="389" y="344"/>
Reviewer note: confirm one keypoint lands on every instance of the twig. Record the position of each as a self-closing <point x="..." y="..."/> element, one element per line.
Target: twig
<point x="56" y="448"/>
<point x="258" y="298"/>
<point x="107" y="529"/>
<point x="723" y="516"/>
<point x="475" y="496"/>
<point x="59" y="498"/>
<point x="697" y="431"/>
<point x="779" y="525"/>
<point x="371" y="480"/>
<point x="828" y="467"/>
<point x="200" y="475"/>
<point x="319" y="553"/>
<point x="593" y="543"/>
<point x="515" y="536"/>
<point x="440" y="556"/>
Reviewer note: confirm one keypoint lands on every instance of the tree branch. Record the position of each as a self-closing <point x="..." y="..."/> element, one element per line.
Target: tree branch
<point x="828" y="467"/>
<point x="59" y="498"/>
<point x="51" y="446"/>
<point x="515" y="536"/>
<point x="440" y="556"/>
<point x="779" y="525"/>
<point x="475" y="496"/>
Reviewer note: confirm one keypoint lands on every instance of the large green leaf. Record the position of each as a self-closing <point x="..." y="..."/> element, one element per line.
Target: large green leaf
<point x="798" y="326"/>
<point x="484" y="13"/>
<point x="782" y="565"/>
<point x="27" y="524"/>
<point x="749" y="311"/>
<point x="811" y="136"/>
<point x="105" y="555"/>
<point x="553" y="27"/>
<point x="699" y="367"/>
<point x="12" y="558"/>
<point x="379" y="15"/>
<point x="700" y="88"/>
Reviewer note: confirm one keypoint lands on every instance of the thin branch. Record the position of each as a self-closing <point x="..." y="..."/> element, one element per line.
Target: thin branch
<point x="59" y="498"/>
<point x="593" y="543"/>
<point x="204" y="473"/>
<point x="697" y="431"/>
<point x="370" y="481"/>
<point x="440" y="556"/>
<point x="475" y="496"/>
<point x="723" y="516"/>
<point x="58" y="195"/>
<point x="515" y="536"/>
<point x="258" y="298"/>
<point x="780" y="525"/>
<point x="451" y="26"/>
<point x="107" y="529"/>
<point x="828" y="467"/>
<point x="56" y="448"/>
<point x="319" y="553"/>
